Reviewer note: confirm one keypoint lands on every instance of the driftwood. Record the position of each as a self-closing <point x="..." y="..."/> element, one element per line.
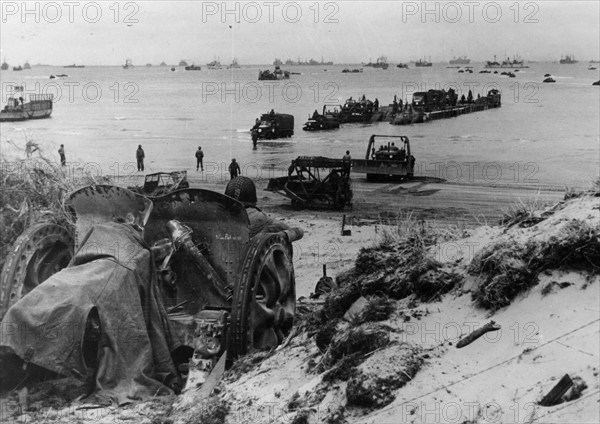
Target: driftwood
<point x="554" y="397"/>
<point x="474" y="335"/>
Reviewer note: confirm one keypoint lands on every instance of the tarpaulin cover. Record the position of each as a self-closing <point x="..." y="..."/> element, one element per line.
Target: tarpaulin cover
<point x="113" y="272"/>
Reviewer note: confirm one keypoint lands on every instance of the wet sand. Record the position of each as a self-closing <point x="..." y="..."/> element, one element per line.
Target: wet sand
<point x="430" y="199"/>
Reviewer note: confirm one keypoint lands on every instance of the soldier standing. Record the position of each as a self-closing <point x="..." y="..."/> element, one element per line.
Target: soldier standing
<point x="61" y="152"/>
<point x="234" y="169"/>
<point x="199" y="158"/>
<point x="139" y="155"/>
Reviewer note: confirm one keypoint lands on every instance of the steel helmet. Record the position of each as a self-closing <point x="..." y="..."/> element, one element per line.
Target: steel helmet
<point x="243" y="190"/>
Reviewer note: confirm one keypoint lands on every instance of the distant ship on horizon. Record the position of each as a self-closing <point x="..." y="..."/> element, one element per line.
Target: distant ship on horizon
<point x="182" y="63"/>
<point x="380" y="63"/>
<point x="423" y="63"/>
<point x="128" y="64"/>
<point x="215" y="64"/>
<point x="462" y="60"/>
<point x="27" y="65"/>
<point x="74" y="66"/>
<point x="515" y="63"/>
<point x="310" y="62"/>
<point x="4" y="66"/>
<point x="234" y="64"/>
<point x="568" y="60"/>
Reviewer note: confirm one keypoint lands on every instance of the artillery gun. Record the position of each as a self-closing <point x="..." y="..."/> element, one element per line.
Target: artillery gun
<point x="178" y="271"/>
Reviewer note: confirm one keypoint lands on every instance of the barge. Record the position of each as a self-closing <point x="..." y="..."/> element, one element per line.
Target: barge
<point x="439" y="104"/>
<point x="39" y="106"/>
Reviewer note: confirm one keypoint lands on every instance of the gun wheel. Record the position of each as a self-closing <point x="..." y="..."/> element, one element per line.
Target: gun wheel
<point x="41" y="251"/>
<point x="264" y="298"/>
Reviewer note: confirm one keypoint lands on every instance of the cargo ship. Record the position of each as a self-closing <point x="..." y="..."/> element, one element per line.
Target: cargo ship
<point x="380" y="63"/>
<point x="423" y="63"/>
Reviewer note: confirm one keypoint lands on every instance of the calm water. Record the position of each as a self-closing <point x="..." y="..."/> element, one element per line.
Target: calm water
<point x="544" y="134"/>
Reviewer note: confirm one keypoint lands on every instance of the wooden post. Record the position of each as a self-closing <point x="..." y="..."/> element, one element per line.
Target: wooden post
<point x="555" y="395"/>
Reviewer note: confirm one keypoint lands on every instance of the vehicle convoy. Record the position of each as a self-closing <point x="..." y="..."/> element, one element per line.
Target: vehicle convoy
<point x="361" y="110"/>
<point x="271" y="126"/>
<point x="39" y="106"/>
<point x="388" y="160"/>
<point x="179" y="274"/>
<point x="441" y="104"/>
<point x="307" y="189"/>
<point x="329" y="119"/>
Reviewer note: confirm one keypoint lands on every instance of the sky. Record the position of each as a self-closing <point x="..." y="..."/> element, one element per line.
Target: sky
<point x="108" y="32"/>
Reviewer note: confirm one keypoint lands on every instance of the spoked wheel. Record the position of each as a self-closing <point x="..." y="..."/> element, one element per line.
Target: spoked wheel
<point x="264" y="298"/>
<point x="38" y="253"/>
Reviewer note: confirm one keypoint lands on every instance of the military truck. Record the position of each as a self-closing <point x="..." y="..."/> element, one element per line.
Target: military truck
<point x="273" y="125"/>
<point x="329" y="119"/>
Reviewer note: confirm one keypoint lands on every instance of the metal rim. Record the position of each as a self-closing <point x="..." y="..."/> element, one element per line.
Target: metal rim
<point x="264" y="299"/>
<point x="40" y="252"/>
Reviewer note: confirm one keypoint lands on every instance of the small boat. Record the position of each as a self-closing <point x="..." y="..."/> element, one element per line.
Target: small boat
<point x="17" y="68"/>
<point x="215" y="64"/>
<point x="4" y="66"/>
<point x="351" y="71"/>
<point x="549" y="79"/>
<point x="277" y="74"/>
<point x="39" y="106"/>
<point x="128" y="64"/>
<point x="173" y="69"/>
<point x="402" y="66"/>
<point x="74" y="66"/>
<point x="596" y="83"/>
<point x="193" y="67"/>
<point x="547" y="75"/>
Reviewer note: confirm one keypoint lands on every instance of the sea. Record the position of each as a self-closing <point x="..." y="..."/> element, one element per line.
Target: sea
<point x="544" y="135"/>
